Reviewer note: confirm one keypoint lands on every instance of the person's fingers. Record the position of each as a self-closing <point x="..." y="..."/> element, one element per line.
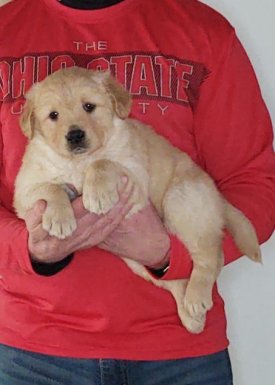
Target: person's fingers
<point x="125" y="191"/>
<point x="121" y="210"/>
<point x="91" y="218"/>
<point x="104" y="225"/>
<point x="79" y="209"/>
<point x="83" y="214"/>
<point x="34" y="216"/>
<point x="34" y="222"/>
<point x="108" y="222"/>
<point x="124" y="185"/>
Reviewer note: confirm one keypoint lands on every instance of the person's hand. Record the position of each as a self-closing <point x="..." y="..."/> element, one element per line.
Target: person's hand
<point x="142" y="237"/>
<point x="92" y="229"/>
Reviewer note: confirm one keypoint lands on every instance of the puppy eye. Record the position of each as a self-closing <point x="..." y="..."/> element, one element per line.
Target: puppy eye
<point x="89" y="107"/>
<point x="53" y="115"/>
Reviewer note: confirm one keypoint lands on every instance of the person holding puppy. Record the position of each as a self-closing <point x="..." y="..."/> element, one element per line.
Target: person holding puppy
<point x="71" y="310"/>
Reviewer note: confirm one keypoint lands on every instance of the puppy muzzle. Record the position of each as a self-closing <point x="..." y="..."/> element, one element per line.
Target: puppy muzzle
<point x="76" y="139"/>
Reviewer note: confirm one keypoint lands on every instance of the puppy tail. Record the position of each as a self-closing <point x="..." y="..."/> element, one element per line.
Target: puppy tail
<point x="242" y="232"/>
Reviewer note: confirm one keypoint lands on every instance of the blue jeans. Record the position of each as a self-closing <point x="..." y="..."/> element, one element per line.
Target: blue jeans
<point x="18" y="367"/>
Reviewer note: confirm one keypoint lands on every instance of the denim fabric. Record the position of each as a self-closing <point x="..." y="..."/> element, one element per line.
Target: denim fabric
<point x="18" y="367"/>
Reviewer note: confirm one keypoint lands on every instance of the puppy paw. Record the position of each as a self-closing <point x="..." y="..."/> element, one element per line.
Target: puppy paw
<point x="193" y="325"/>
<point x="102" y="183"/>
<point x="99" y="199"/>
<point x="197" y="301"/>
<point x="59" y="222"/>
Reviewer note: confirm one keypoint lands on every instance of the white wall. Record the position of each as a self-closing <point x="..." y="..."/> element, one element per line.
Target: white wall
<point x="249" y="289"/>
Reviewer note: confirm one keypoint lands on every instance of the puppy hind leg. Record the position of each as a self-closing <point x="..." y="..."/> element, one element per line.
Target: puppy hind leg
<point x="176" y="287"/>
<point x="192" y="211"/>
<point x="207" y="262"/>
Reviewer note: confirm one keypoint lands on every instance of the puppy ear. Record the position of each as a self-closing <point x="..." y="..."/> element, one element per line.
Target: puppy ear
<point x="27" y="118"/>
<point x="121" y="98"/>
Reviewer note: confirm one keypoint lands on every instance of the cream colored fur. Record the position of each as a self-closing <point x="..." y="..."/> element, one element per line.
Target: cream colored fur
<point x="184" y="195"/>
<point x="3" y="2"/>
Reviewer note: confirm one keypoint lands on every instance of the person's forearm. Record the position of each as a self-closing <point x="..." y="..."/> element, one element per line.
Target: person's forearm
<point x="14" y="242"/>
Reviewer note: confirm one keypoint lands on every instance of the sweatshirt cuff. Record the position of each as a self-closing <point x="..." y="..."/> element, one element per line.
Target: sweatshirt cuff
<point x="33" y="267"/>
<point x="180" y="265"/>
<point x="49" y="269"/>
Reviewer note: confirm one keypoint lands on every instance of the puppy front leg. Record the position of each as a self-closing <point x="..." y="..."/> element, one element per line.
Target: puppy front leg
<point x="102" y="181"/>
<point x="58" y="218"/>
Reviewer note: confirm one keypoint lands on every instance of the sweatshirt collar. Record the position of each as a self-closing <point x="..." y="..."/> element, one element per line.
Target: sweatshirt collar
<point x="94" y="15"/>
<point x="89" y="4"/>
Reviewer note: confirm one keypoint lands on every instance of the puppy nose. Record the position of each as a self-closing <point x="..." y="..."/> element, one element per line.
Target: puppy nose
<point x="76" y="135"/>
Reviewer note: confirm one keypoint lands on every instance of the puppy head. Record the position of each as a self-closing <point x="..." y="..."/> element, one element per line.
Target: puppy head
<point x="74" y="109"/>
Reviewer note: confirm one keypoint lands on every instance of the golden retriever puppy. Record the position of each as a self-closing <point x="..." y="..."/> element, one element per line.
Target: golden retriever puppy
<point x="80" y="134"/>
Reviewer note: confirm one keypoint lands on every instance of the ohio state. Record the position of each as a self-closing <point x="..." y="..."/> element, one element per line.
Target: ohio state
<point x="151" y="76"/>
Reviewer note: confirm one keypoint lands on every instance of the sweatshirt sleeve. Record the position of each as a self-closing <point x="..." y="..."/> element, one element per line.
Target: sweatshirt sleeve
<point x="14" y="241"/>
<point x="234" y="138"/>
<point x="13" y="236"/>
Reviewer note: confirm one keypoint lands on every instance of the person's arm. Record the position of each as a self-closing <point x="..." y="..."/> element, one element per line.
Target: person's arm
<point x="234" y="139"/>
<point x="29" y="248"/>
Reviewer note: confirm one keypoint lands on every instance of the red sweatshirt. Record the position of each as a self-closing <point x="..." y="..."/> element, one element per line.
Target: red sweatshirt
<point x="192" y="81"/>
